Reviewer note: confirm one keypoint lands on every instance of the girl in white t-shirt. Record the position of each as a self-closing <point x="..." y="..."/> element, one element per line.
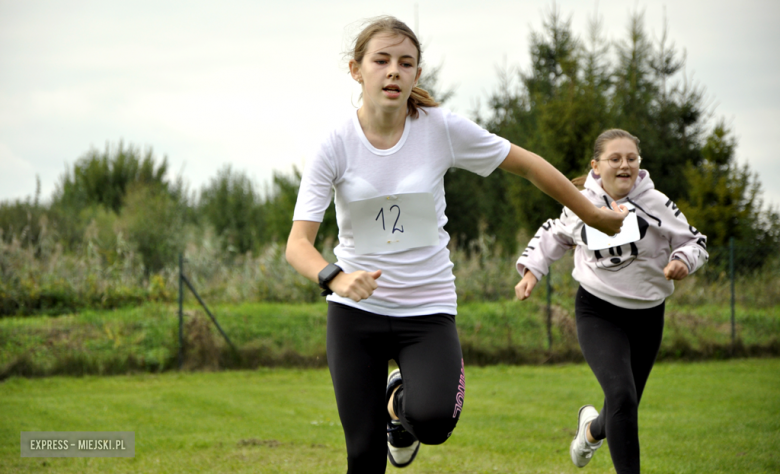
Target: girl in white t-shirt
<point x="391" y="295"/>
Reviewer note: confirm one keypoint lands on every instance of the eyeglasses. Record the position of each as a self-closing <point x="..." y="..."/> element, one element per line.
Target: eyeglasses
<point x="616" y="161"/>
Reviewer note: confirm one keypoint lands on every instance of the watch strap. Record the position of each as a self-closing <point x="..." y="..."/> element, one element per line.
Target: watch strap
<point x="326" y="275"/>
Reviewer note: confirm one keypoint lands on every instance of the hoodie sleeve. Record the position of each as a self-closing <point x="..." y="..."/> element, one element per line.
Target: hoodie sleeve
<point x="551" y="241"/>
<point x="687" y="243"/>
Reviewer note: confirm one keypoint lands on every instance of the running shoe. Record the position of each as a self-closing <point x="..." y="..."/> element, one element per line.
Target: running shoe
<point x="580" y="450"/>
<point x="402" y="446"/>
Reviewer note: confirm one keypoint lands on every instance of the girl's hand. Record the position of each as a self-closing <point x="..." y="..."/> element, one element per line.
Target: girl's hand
<point x="356" y="286"/>
<point x="610" y="221"/>
<point x="526" y="286"/>
<point x="676" y="270"/>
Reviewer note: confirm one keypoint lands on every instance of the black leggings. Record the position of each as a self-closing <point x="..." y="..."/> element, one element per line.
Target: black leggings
<point x="620" y="346"/>
<point x="427" y="350"/>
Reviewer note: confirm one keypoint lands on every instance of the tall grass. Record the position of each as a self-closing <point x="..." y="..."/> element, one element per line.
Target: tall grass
<point x="41" y="278"/>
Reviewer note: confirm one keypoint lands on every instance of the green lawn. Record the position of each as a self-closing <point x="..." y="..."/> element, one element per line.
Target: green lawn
<point x="705" y="417"/>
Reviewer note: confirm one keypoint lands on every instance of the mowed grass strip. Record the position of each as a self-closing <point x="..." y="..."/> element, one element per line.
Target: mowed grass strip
<point x="714" y="417"/>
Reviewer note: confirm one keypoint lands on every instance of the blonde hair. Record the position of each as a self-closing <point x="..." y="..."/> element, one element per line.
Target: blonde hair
<point x="388" y="24"/>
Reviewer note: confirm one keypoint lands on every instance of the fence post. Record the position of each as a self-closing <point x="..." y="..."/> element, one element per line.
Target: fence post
<point x="733" y="298"/>
<point x="213" y="319"/>
<point x="549" y="309"/>
<point x="181" y="312"/>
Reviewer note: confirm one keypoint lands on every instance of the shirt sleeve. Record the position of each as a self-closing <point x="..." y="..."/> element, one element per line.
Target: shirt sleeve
<point x="687" y="243"/>
<point x="316" y="190"/>
<point x="473" y="148"/>
<point x="550" y="242"/>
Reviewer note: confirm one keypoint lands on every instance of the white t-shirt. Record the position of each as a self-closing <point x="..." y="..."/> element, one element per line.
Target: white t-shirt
<point x="415" y="281"/>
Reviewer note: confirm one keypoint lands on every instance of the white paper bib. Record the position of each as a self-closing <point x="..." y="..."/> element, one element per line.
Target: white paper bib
<point x="391" y="223"/>
<point x="598" y="240"/>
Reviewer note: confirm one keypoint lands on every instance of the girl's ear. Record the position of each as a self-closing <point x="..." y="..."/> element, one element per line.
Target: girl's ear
<point x="354" y="71"/>
<point x="595" y="165"/>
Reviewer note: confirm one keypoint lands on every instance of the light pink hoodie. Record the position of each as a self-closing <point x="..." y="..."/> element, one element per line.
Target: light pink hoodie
<point x="630" y="276"/>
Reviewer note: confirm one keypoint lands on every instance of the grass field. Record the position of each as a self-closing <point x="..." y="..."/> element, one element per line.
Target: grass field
<point x="702" y="417"/>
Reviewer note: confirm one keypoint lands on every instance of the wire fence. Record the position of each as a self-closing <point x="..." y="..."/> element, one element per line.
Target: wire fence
<point x="729" y="308"/>
<point x="729" y="305"/>
<point x="745" y="280"/>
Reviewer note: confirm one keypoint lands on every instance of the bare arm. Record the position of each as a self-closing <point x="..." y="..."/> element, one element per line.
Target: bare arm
<point x="308" y="261"/>
<point x="301" y="253"/>
<point x="550" y="181"/>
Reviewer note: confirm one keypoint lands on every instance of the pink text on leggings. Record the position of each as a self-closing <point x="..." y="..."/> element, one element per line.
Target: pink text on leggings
<point x="461" y="391"/>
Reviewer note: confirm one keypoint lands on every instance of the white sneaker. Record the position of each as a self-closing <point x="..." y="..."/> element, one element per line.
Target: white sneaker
<point x="402" y="446"/>
<point x="580" y="450"/>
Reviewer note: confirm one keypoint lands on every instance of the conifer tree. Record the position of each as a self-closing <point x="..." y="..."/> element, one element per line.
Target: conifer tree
<point x="724" y="197"/>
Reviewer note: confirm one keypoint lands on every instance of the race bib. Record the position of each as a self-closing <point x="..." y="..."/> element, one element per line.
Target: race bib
<point x="391" y="223"/>
<point x="598" y="240"/>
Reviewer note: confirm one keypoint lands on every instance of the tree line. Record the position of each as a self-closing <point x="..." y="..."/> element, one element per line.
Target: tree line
<point x="575" y="87"/>
<point x="578" y="86"/>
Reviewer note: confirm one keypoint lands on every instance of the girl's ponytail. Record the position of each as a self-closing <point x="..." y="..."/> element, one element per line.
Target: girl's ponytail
<point x="419" y="98"/>
<point x="579" y="181"/>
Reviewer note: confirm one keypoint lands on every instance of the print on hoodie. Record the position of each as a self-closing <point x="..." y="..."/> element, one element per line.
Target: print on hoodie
<point x="618" y="258"/>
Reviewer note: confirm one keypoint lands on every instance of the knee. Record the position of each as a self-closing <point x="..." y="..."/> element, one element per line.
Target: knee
<point x="433" y="428"/>
<point x="622" y="400"/>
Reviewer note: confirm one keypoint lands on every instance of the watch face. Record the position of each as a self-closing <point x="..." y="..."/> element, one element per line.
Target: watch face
<point x="328" y="273"/>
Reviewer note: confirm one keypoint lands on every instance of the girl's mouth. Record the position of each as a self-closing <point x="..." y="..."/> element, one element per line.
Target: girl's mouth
<point x="392" y="91"/>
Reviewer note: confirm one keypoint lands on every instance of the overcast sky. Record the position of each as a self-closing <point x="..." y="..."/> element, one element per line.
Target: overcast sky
<point x="256" y="84"/>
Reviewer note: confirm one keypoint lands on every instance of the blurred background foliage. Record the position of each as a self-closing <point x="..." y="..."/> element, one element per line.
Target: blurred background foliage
<point x="112" y="231"/>
<point x="578" y="86"/>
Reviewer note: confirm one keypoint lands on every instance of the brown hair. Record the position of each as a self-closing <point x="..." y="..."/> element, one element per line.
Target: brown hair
<point x="598" y="148"/>
<point x="388" y="24"/>
<point x="579" y="182"/>
<point x="609" y="135"/>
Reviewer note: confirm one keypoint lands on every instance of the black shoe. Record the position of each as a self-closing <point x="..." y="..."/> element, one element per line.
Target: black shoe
<point x="402" y="446"/>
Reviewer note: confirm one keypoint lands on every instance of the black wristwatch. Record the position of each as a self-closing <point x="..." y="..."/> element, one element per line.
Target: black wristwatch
<point x="326" y="275"/>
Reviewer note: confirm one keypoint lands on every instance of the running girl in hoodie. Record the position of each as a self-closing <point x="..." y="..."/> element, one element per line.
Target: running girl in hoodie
<point x="391" y="295"/>
<point x="620" y="302"/>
